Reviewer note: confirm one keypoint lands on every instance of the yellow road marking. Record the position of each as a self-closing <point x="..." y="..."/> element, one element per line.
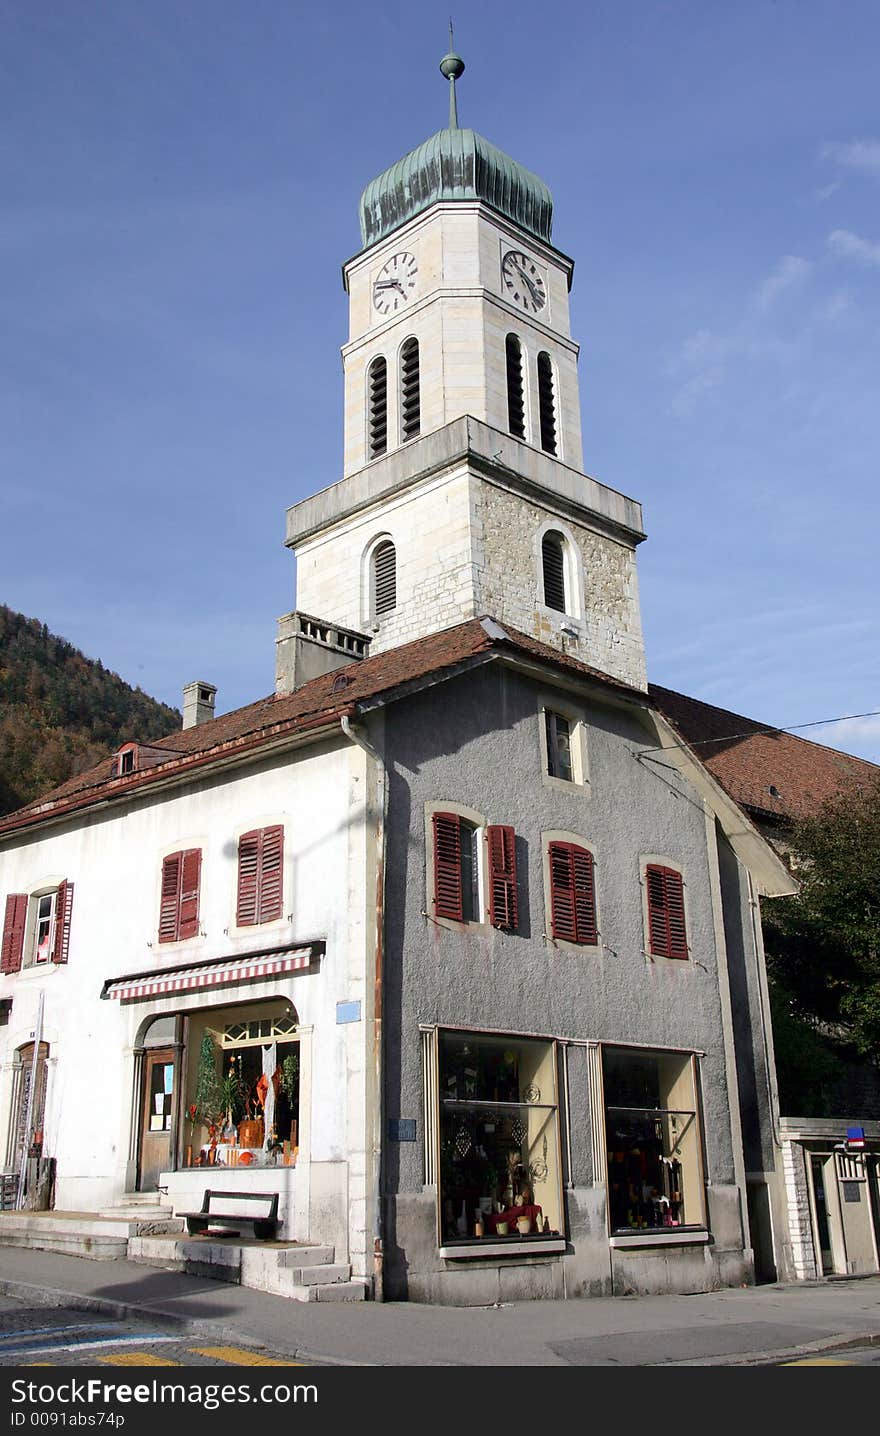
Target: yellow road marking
<point x="136" y="1358"/>
<point x="819" y="1361"/>
<point x="237" y="1356"/>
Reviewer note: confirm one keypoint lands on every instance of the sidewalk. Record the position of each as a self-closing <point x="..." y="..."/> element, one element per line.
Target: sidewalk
<point x="717" y="1328"/>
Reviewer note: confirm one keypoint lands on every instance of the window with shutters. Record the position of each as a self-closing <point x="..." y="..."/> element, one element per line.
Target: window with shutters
<point x="383" y="579"/>
<point x="570" y="887"/>
<point x="260" y="876"/>
<point x="553" y="572"/>
<point x="516" y="404"/>
<point x="377" y="404"/>
<point x="36" y="928"/>
<point x="546" y="403"/>
<point x="666" y="927"/>
<point x="410" y="391"/>
<point x="458" y="869"/>
<point x="179" y="895"/>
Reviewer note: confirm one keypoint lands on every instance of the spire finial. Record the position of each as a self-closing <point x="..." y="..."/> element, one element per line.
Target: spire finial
<point x="451" y="67"/>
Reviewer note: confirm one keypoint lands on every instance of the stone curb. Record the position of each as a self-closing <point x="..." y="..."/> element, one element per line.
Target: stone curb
<point x="129" y="1311"/>
<point x="772" y="1358"/>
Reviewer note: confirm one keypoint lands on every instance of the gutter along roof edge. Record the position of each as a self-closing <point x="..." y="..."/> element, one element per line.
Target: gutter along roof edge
<point x="177" y="769"/>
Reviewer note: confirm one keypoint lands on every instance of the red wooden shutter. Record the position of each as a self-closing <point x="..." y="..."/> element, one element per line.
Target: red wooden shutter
<point x="169" y="901"/>
<point x="271" y="874"/>
<point x="572" y="894"/>
<point x="13" y="932"/>
<point x="503" y="910"/>
<point x="190" y="877"/>
<point x="447" y="866"/>
<point x="248" y="878"/>
<point x="63" y="909"/>
<point x="667" y="936"/>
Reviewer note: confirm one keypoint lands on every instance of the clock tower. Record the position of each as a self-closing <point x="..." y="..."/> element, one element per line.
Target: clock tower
<point x="463" y="492"/>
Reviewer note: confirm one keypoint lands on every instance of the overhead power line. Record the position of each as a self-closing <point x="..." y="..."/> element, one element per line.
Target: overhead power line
<point x="778" y="728"/>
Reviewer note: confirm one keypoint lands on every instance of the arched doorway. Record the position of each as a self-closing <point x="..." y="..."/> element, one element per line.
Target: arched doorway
<point x="158" y="1092"/>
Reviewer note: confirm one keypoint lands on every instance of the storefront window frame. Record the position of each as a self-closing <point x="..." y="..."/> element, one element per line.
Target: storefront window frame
<point x="686" y="1233"/>
<point x="473" y="1247"/>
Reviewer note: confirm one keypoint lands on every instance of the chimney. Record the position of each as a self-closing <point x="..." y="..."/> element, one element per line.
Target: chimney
<point x="307" y="647"/>
<point x="198" y="703"/>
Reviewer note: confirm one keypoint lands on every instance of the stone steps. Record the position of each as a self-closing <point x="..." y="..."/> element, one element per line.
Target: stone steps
<point x="71" y="1234"/>
<point x="149" y="1235"/>
<point x="300" y="1272"/>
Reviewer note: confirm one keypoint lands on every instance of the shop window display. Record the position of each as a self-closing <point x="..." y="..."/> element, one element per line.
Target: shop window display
<point x="499" y="1139"/>
<point x="243" y="1091"/>
<point x="655" y="1178"/>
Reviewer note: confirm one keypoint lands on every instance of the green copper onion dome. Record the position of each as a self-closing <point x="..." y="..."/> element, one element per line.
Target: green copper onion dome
<point x="454" y="164"/>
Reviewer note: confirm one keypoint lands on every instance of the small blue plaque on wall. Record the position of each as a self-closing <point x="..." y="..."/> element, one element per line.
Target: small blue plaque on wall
<point x="401" y="1129"/>
<point x="348" y="1012"/>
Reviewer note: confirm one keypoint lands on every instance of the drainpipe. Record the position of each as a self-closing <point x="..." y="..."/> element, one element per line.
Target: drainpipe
<point x="356" y="736"/>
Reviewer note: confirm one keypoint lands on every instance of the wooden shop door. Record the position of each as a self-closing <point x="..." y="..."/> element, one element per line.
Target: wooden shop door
<point x="156" y="1115"/>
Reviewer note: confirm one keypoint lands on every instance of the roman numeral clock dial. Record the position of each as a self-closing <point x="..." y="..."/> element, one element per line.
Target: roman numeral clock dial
<point x="523" y="282"/>
<point x="394" y="283"/>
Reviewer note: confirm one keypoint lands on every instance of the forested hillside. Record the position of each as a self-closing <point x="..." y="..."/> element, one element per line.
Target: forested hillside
<point x="61" y="712"/>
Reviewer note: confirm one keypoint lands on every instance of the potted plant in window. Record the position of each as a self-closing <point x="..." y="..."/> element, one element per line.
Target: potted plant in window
<point x="233" y="1091"/>
<point x="209" y="1092"/>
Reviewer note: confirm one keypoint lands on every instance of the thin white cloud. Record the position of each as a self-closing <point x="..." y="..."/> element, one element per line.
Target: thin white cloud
<point x="790" y="271"/>
<point x="860" y="736"/>
<point x="861" y="155"/>
<point x="827" y="190"/>
<point x="846" y="245"/>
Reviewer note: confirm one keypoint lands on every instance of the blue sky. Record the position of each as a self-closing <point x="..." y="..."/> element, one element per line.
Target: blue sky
<point x="180" y="187"/>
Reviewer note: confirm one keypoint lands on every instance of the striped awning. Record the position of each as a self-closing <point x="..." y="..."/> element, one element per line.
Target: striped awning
<point x="222" y="973"/>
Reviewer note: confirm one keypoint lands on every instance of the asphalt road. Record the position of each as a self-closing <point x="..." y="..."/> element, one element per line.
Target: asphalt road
<point x="55" y="1336"/>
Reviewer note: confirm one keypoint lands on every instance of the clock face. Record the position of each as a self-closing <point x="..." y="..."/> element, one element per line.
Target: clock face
<point x="522" y="281"/>
<point x="394" y="283"/>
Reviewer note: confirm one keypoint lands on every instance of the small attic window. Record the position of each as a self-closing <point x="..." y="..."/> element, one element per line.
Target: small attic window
<point x="126" y="760"/>
<point x="774" y="791"/>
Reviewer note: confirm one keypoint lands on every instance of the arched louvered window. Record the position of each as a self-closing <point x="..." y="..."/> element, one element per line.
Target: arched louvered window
<point x="377" y="395"/>
<point x="516" y="408"/>
<point x="384" y="578"/>
<point x="410" y="396"/>
<point x="553" y="571"/>
<point x="546" y="403"/>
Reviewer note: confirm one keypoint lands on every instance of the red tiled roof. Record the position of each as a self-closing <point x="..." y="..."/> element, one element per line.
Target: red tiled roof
<point x="748" y="760"/>
<point x="319" y="702"/>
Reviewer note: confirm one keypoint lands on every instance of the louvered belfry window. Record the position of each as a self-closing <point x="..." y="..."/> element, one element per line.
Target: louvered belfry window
<point x="553" y="570"/>
<point x="516" y="409"/>
<point x="377" y="386"/>
<point x="572" y="894"/>
<point x="179" y="899"/>
<point x="260" y="876"/>
<point x="410" y="392"/>
<point x="384" y="578"/>
<point x="667" y="935"/>
<point x="546" y="403"/>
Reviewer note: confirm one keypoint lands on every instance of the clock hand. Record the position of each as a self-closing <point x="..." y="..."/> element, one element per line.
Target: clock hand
<point x="533" y="289"/>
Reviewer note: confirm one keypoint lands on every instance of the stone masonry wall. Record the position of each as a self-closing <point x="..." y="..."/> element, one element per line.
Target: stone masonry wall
<point x="799" y="1217"/>
<point x="507" y="530"/>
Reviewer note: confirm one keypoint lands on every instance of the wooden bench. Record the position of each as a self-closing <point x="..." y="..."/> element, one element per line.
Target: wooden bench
<point x="262" y="1215"/>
